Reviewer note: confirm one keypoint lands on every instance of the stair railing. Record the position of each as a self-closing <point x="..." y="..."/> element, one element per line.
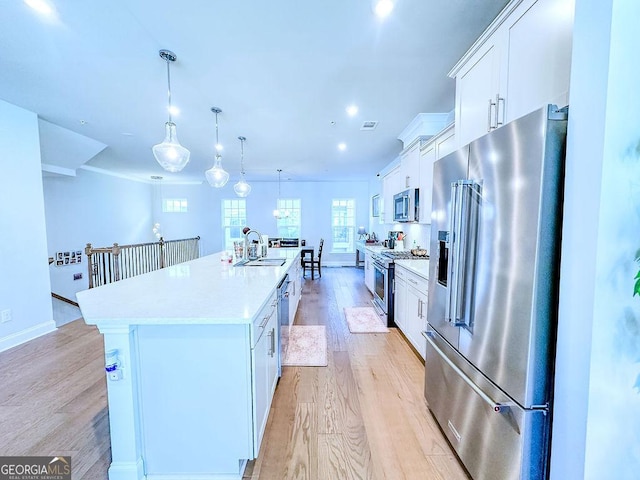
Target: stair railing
<point x="110" y="264"/>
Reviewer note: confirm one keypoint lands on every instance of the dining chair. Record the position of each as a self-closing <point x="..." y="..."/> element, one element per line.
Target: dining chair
<point x="313" y="262"/>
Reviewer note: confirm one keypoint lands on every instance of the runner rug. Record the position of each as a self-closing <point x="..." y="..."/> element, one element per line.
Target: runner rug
<point x="305" y="346"/>
<point x="364" y="320"/>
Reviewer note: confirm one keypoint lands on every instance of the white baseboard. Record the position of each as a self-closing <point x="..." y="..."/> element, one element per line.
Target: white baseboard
<point x="23" y="336"/>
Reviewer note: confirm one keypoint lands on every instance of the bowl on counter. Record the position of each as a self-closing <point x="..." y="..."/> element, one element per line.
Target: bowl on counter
<point x="418" y="252"/>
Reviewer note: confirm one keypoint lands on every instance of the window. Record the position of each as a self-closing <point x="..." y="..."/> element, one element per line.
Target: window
<point x="234" y="218"/>
<point x="174" y="205"/>
<point x="289" y="226"/>
<point x="343" y="223"/>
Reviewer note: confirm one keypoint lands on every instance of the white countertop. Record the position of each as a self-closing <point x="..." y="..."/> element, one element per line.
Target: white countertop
<point x="201" y="291"/>
<point x="419" y="267"/>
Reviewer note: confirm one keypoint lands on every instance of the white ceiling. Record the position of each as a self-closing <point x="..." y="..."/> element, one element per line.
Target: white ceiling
<point x="281" y="71"/>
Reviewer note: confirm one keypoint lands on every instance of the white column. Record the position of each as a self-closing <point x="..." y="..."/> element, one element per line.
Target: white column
<point x="124" y="417"/>
<point x="597" y="401"/>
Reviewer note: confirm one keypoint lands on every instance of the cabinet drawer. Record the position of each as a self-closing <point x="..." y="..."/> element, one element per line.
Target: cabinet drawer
<point x="417" y="281"/>
<point x="262" y="319"/>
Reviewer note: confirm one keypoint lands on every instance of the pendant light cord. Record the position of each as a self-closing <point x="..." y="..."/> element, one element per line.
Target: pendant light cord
<point x="169" y="88"/>
<point x="242" y="157"/>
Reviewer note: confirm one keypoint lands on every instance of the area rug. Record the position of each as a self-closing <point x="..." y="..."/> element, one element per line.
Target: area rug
<point x="364" y="320"/>
<point x="306" y="346"/>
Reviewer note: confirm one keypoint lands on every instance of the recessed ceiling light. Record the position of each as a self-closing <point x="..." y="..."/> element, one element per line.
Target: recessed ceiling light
<point x="352" y="110"/>
<point x="382" y="8"/>
<point x="39" y="6"/>
<point x="342" y="146"/>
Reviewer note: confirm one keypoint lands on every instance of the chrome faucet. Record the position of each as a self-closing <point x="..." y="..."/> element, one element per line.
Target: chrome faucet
<point x="246" y="243"/>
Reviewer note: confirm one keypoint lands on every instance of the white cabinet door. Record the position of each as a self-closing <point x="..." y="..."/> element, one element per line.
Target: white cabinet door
<point x="400" y="299"/>
<point x="477" y="85"/>
<point x="416" y="319"/>
<point x="392" y="183"/>
<point x="538" y="70"/>
<point x="446" y="142"/>
<point x="521" y="65"/>
<point x="265" y="370"/>
<point x="427" y="157"/>
<point x="410" y="168"/>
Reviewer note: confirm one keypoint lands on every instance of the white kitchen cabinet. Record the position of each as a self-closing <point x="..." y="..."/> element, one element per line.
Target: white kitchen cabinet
<point x="265" y="368"/>
<point x="295" y="290"/>
<point x="445" y="142"/>
<point x="417" y="301"/>
<point x="400" y="299"/>
<point x="411" y="299"/>
<point x="427" y="157"/>
<point x="392" y="183"/>
<point x="410" y="167"/>
<point x="369" y="272"/>
<point x="521" y="62"/>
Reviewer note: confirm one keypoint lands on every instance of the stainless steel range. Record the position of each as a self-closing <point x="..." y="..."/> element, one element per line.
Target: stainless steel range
<point x="384" y="272"/>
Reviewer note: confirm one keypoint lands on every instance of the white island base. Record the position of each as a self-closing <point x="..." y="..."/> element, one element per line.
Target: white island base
<point x="192" y="391"/>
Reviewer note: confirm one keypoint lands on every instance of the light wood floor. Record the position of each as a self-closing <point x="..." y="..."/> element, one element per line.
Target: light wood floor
<point x="362" y="417"/>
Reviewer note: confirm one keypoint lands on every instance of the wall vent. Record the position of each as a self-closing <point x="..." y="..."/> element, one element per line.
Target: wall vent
<point x="369" y="125"/>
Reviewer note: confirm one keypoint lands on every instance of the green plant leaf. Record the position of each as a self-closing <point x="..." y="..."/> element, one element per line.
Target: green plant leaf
<point x="636" y="289"/>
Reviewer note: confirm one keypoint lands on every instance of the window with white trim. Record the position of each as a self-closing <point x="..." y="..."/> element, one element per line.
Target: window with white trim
<point x="234" y="218"/>
<point x="290" y="214"/>
<point x="175" y="205"/>
<point x="343" y="225"/>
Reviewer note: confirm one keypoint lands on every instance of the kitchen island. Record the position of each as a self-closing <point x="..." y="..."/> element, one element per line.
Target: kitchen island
<point x="193" y="360"/>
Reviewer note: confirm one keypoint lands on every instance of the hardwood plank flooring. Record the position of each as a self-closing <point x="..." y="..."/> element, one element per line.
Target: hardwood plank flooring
<point x="362" y="417"/>
<point x="372" y="418"/>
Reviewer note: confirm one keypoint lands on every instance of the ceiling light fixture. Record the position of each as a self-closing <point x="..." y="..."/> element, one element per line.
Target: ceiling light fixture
<point x="382" y="8"/>
<point x="342" y="146"/>
<point x="216" y="175"/>
<point x="172" y="156"/>
<point x="39" y="6"/>
<point x="352" y="110"/>
<point x="277" y="212"/>
<point x="242" y="188"/>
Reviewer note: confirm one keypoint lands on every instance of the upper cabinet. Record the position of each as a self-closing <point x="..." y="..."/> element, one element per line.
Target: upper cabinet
<point x="522" y="61"/>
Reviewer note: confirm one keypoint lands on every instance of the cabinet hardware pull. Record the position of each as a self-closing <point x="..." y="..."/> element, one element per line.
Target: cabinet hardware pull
<point x="413" y="281"/>
<point x="272" y="346"/>
<point x="489" y="124"/>
<point x="497" y="104"/>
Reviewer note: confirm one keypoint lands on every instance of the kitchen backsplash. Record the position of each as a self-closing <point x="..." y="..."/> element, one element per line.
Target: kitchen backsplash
<point x="421" y="233"/>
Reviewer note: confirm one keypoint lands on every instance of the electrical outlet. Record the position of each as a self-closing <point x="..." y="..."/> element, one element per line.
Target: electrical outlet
<point x="5" y="316"/>
<point x="77" y="276"/>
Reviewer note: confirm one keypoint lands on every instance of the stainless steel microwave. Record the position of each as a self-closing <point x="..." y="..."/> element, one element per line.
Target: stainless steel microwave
<point x="406" y="206"/>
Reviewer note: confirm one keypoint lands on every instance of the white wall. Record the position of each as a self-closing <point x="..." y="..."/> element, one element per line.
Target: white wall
<point x="92" y="208"/>
<point x="24" y="279"/>
<point x="204" y="217"/>
<point x="597" y="390"/>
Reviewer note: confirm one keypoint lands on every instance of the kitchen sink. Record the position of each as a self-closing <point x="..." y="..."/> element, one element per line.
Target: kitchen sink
<point x="261" y="262"/>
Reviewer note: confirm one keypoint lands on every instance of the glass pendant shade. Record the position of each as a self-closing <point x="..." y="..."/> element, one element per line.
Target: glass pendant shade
<point x="242" y="188"/>
<point x="171" y="156"/>
<point x="216" y="175"/>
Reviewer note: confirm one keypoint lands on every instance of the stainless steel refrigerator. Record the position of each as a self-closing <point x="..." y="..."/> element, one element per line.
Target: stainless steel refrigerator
<point x="493" y="282"/>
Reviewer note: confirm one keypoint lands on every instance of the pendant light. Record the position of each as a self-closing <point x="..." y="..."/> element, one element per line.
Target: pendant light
<point x="277" y="212"/>
<point x="216" y="175"/>
<point x="242" y="188"/>
<point x="172" y="156"/>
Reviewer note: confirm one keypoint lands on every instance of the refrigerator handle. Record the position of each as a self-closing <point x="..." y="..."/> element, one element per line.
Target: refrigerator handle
<point x="452" y="261"/>
<point x="496" y="407"/>
<point x="466" y="247"/>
